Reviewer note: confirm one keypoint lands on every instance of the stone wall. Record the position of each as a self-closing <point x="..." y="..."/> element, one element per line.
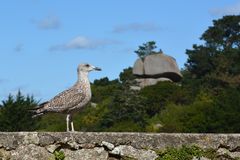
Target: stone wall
<point x="106" y="146"/>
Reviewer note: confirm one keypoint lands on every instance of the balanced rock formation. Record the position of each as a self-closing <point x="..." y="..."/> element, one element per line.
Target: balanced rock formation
<point x="154" y="68"/>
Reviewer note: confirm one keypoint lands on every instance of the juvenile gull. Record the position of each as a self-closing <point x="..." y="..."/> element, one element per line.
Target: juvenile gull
<point x="72" y="99"/>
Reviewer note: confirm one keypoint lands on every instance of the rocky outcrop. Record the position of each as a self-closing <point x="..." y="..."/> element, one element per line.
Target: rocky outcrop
<point x="106" y="146"/>
<point x="143" y="82"/>
<point x="155" y="68"/>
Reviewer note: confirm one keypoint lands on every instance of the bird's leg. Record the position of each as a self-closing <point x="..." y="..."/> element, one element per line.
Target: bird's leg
<point x="71" y="121"/>
<point x="67" y="120"/>
<point x="72" y="126"/>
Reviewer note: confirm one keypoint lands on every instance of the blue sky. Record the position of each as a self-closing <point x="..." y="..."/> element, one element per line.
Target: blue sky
<point x="43" y="41"/>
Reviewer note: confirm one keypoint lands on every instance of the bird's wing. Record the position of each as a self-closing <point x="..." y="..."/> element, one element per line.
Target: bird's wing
<point x="66" y="100"/>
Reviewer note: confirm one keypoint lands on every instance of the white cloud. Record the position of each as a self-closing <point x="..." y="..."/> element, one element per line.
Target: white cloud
<point x="50" y="22"/>
<point x="144" y="27"/>
<point x="81" y="42"/>
<point x="233" y="9"/>
<point x="18" y="48"/>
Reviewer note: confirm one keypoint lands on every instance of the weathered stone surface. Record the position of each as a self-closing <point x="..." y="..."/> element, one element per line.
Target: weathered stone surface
<point x="30" y="152"/>
<point x="224" y="151"/>
<point x="86" y="154"/>
<point x="30" y="138"/>
<point x="46" y="138"/>
<point x="157" y="66"/>
<point x="10" y="141"/>
<point x="4" y="155"/>
<point x="136" y="88"/>
<point x="143" y="82"/>
<point x="73" y="145"/>
<point x="108" y="145"/>
<point x="32" y="145"/>
<point x="87" y="145"/>
<point x="138" y="67"/>
<point x="51" y="148"/>
<point x="129" y="151"/>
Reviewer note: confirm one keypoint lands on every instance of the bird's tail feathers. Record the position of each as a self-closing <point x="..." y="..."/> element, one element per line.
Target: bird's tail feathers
<point x="39" y="110"/>
<point x="36" y="115"/>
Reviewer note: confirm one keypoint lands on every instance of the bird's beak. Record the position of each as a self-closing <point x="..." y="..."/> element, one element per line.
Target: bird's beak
<point x="97" y="68"/>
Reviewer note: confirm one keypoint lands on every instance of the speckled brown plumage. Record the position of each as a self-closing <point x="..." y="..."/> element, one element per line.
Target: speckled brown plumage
<point x="69" y="100"/>
<point x="72" y="99"/>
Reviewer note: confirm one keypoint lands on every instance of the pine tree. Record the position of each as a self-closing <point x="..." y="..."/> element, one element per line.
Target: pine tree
<point x="15" y="114"/>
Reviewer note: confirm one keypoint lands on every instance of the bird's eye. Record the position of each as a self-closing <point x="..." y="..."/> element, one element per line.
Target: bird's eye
<point x="87" y="65"/>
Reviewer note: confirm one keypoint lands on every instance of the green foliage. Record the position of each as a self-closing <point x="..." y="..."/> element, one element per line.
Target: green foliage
<point x="159" y="95"/>
<point x="91" y="117"/>
<point x="185" y="153"/>
<point x="125" y="126"/>
<point x="127" y="76"/>
<point x="52" y="122"/>
<point x="59" y="155"/>
<point x="104" y="89"/>
<point x="224" y="33"/>
<point x="146" y="49"/>
<point x="227" y="111"/>
<point x="126" y="106"/>
<point x="154" y="124"/>
<point x="15" y="115"/>
<point x="208" y="113"/>
<point x="217" y="62"/>
<point x="105" y="82"/>
<point x="189" y="118"/>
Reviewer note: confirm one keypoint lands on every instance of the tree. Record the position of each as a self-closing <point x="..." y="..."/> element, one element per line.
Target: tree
<point x="15" y="114"/>
<point x="104" y="88"/>
<point x="207" y="114"/>
<point x="105" y="81"/>
<point x="163" y="93"/>
<point x="126" y="75"/>
<point x="146" y="49"/>
<point x="224" y="34"/>
<point x="126" y="108"/>
<point x="217" y="61"/>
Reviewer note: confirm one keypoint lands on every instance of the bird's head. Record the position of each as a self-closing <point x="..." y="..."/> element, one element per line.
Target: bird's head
<point x="87" y="68"/>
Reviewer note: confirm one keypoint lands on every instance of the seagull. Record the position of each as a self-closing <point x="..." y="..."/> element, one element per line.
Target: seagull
<point x="71" y="100"/>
